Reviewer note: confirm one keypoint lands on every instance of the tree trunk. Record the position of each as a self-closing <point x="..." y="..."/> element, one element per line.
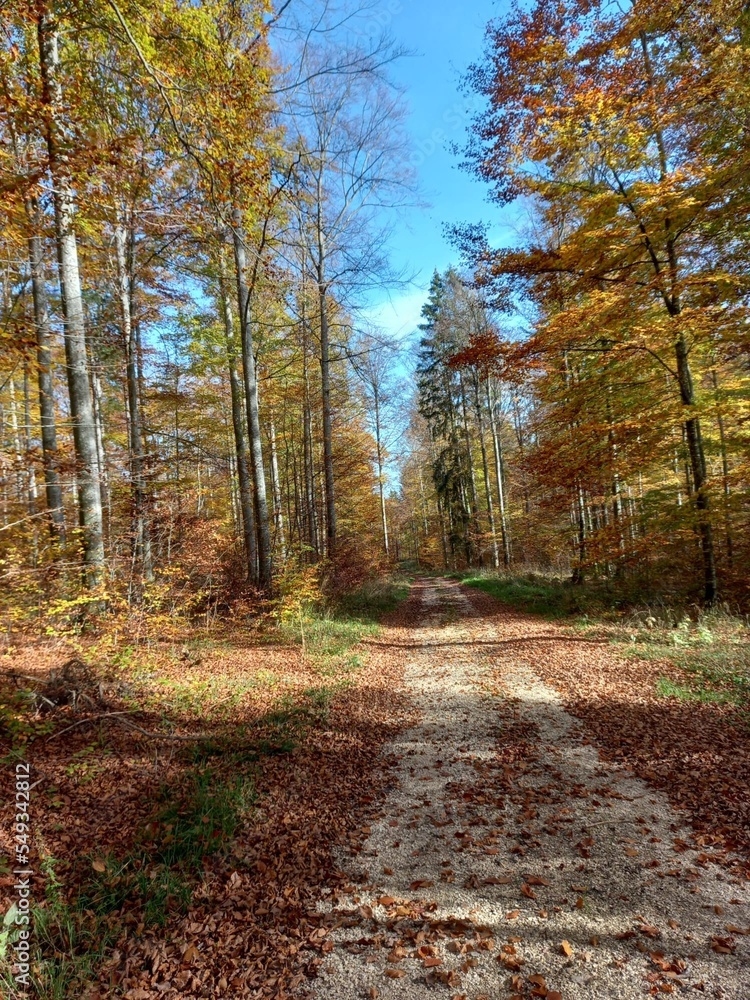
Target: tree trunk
<point x="53" y="488"/>
<point x="140" y="547"/>
<point x="698" y="468"/>
<point x="238" y="426"/>
<point x="724" y="469"/>
<point x="691" y="424"/>
<point x="309" y="468"/>
<point x="278" y="511"/>
<point x="81" y="400"/>
<point x="500" y="476"/>
<point x="486" y="471"/>
<point x="473" y="501"/>
<point x="253" y="413"/>
<point x="31" y="473"/>
<point x="381" y="485"/>
<point x="325" y="377"/>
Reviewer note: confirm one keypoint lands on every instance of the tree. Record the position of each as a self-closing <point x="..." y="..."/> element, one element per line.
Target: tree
<point x="598" y="116"/>
<point x="77" y="364"/>
<point x="373" y="358"/>
<point x="346" y="117"/>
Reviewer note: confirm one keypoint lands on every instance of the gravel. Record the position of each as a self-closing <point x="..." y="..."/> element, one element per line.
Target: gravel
<point x="508" y="857"/>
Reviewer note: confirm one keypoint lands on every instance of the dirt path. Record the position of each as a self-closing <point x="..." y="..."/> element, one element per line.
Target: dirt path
<point x="509" y="860"/>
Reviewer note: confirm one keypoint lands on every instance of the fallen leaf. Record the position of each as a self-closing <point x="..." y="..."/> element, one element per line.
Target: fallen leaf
<point x="723" y="945"/>
<point x="189" y="955"/>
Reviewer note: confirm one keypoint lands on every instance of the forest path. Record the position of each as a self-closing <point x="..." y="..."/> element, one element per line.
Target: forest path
<point x="509" y="860"/>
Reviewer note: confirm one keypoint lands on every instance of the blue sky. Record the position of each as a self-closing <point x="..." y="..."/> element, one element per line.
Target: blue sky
<point x="445" y="40"/>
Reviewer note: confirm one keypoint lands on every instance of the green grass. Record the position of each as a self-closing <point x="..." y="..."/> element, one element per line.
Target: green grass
<point x="331" y="631"/>
<point x="372" y="600"/>
<point x="684" y="692"/>
<point x="710" y="647"/>
<point x="550" y="598"/>
<point x="74" y="932"/>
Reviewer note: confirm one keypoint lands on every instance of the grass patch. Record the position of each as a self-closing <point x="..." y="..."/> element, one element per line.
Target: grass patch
<point x="670" y="689"/>
<point x="73" y="932"/>
<point x="331" y="630"/>
<point x="550" y="598"/>
<point x="711" y="647"/>
<point x="372" y="600"/>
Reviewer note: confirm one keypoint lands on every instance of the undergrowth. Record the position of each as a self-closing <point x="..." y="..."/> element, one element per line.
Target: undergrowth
<point x="330" y="628"/>
<point x="80" y="919"/>
<point x="710" y="647"/>
<point x="91" y="902"/>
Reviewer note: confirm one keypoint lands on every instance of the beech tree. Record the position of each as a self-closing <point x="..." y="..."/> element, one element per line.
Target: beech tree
<point x="599" y="117"/>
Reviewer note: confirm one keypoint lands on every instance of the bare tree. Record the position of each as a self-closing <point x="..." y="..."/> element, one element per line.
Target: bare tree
<point x="347" y="119"/>
<point x="374" y="359"/>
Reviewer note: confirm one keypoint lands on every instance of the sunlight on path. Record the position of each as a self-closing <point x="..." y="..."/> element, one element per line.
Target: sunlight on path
<point x="509" y="859"/>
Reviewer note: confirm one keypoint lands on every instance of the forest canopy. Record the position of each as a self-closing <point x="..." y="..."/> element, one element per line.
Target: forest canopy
<point x="620" y="402"/>
<point x="197" y="200"/>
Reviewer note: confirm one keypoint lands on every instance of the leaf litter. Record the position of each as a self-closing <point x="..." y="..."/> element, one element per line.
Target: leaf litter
<point x="556" y="873"/>
<point x="471" y="839"/>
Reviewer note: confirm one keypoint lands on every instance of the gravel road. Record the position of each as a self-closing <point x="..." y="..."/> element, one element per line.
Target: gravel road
<point x="509" y="860"/>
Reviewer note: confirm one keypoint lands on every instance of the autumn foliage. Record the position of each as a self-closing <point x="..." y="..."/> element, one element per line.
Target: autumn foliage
<point x="627" y="394"/>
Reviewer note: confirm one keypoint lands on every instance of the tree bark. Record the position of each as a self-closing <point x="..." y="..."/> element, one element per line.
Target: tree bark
<point x="140" y="543"/>
<point x="278" y="511"/>
<point x="238" y="427"/>
<point x="500" y="476"/>
<point x="381" y="485"/>
<point x="52" y="485"/>
<point x="253" y="412"/>
<point x="309" y="463"/>
<point x="79" y="387"/>
<point x="672" y="301"/>
<point x="486" y="471"/>
<point x="325" y="378"/>
<point x="698" y="468"/>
